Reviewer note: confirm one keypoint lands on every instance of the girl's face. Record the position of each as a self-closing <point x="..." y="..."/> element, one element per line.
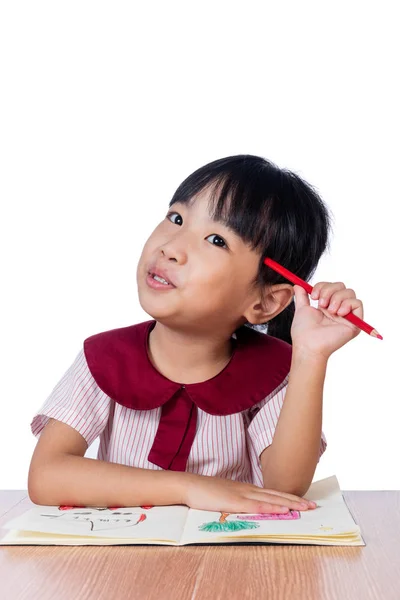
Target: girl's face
<point x="210" y="266"/>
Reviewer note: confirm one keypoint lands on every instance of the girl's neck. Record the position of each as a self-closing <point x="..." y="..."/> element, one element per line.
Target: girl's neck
<point x="185" y="357"/>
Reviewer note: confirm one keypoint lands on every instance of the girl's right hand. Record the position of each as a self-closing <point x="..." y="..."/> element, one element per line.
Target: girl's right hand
<point x="225" y="495"/>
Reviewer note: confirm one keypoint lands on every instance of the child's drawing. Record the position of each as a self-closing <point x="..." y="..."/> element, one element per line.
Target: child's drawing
<point x="292" y="514"/>
<point x="245" y="521"/>
<point x="87" y="515"/>
<point x="66" y="507"/>
<point x="94" y="522"/>
<point x="224" y="525"/>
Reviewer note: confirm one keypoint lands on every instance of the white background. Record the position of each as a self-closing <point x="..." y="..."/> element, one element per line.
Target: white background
<point x="107" y="106"/>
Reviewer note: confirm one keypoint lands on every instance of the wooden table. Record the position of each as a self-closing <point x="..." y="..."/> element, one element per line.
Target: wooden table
<point x="212" y="572"/>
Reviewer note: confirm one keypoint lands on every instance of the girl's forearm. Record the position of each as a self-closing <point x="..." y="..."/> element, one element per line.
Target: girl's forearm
<point x="79" y="481"/>
<point x="289" y="463"/>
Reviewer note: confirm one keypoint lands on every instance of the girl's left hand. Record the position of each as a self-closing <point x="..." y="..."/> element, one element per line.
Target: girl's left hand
<point x="323" y="330"/>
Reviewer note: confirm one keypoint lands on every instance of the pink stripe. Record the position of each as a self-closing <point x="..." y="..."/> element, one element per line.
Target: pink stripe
<point x="143" y="449"/>
<point x="129" y="434"/>
<point x="223" y="446"/>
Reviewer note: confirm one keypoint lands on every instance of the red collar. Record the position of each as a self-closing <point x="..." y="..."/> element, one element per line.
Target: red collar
<point x="118" y="361"/>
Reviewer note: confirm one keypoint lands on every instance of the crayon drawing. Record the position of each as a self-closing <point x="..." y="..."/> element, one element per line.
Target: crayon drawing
<point x="245" y="521"/>
<point x="289" y="516"/>
<point x="223" y="525"/>
<point x="93" y="522"/>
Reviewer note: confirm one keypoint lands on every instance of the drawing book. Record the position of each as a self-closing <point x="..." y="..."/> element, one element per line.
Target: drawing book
<point x="329" y="524"/>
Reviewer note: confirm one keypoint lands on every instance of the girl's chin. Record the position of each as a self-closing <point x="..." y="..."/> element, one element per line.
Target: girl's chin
<point x="155" y="309"/>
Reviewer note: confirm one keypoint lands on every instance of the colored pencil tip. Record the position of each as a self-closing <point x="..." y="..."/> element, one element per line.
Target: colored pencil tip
<point x="379" y="336"/>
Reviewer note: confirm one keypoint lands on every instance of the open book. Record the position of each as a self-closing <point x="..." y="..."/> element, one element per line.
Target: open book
<point x="329" y="524"/>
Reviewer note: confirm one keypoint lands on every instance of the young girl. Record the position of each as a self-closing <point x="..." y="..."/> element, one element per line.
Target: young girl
<point x="197" y="406"/>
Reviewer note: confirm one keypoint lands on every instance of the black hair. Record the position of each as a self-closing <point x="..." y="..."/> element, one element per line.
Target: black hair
<point x="274" y="210"/>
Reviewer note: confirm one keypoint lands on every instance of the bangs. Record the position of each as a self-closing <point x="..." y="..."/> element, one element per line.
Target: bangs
<point x="237" y="206"/>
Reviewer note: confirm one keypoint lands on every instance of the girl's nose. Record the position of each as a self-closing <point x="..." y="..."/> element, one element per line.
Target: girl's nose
<point x="171" y="252"/>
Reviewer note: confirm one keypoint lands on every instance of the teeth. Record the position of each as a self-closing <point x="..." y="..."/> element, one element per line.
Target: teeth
<point x="160" y="279"/>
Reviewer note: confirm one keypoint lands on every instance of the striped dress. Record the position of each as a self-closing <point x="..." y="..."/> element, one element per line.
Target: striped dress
<point x="227" y="446"/>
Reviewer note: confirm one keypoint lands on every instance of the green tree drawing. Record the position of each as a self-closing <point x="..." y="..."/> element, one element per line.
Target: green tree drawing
<point x="223" y="525"/>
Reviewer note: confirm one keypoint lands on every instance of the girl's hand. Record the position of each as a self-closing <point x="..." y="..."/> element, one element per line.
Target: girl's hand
<point x="320" y="331"/>
<point x="225" y="495"/>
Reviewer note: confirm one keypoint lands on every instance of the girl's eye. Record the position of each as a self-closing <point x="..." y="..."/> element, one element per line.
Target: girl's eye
<point x="174" y="213"/>
<point x="219" y="241"/>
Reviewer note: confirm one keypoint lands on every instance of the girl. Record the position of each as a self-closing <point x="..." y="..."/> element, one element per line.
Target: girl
<point x="197" y="406"/>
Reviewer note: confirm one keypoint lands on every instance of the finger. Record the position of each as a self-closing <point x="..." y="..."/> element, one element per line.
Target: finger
<point x="255" y="506"/>
<point x="280" y="500"/>
<point x="338" y="297"/>
<point x="317" y="289"/>
<point x="286" y="495"/>
<point x="353" y="305"/>
<point x="325" y="291"/>
<point x="260" y="506"/>
<point x="301" y="296"/>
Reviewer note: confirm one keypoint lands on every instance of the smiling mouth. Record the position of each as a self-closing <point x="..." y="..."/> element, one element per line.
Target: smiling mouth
<point x="160" y="279"/>
<point x="158" y="282"/>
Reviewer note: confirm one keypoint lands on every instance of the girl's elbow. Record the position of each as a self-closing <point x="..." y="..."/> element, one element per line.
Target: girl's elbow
<point x="33" y="491"/>
<point x="37" y="486"/>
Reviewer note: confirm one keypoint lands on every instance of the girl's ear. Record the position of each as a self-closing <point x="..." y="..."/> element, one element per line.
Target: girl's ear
<point x="270" y="304"/>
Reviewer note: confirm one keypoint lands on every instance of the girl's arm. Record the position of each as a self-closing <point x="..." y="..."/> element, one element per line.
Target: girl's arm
<point x="60" y="474"/>
<point x="289" y="463"/>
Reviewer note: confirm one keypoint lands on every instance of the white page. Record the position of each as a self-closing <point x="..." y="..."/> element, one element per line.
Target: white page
<point x="158" y="523"/>
<point x="330" y="518"/>
<point x="317" y="522"/>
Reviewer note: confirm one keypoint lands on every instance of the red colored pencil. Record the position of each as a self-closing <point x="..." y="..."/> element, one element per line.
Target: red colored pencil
<point x="294" y="279"/>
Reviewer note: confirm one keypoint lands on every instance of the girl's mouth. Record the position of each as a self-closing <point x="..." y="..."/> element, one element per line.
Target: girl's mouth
<point x="158" y="283"/>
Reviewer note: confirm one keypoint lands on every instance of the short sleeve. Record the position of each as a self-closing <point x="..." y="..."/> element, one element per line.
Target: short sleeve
<point x="77" y="401"/>
<point x="264" y="418"/>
